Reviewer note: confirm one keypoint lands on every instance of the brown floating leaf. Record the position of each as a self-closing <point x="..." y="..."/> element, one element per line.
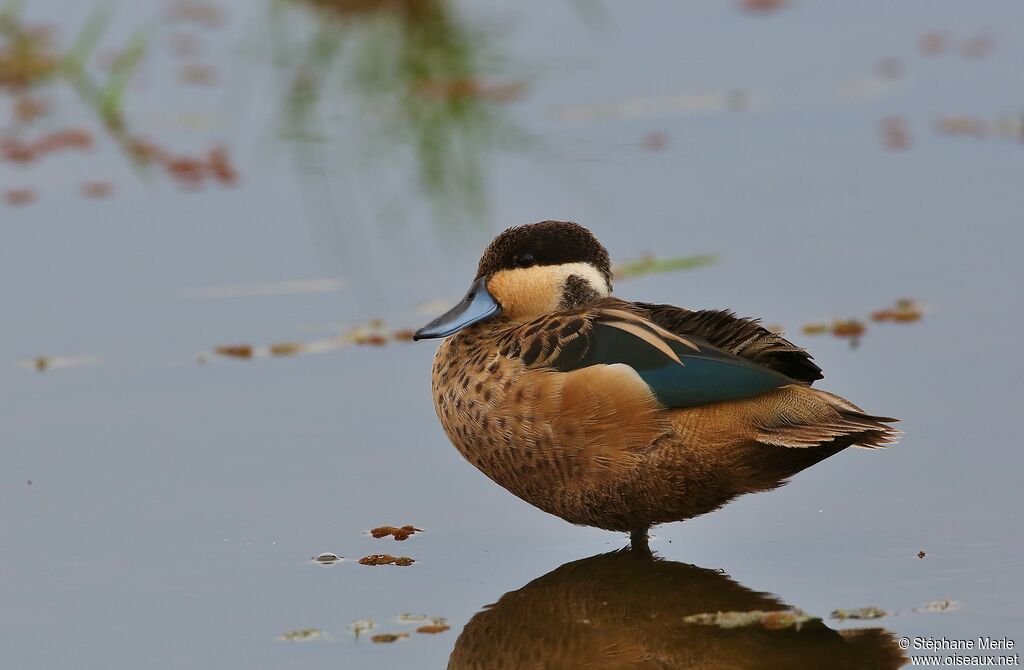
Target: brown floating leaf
<point x="859" y="613"/>
<point x="372" y="339"/>
<point x="762" y="6"/>
<point x="97" y="189"/>
<point x="386" y="559"/>
<point x="19" y="196"/>
<point x="848" y="328"/>
<point x="28" y="108"/>
<point x="978" y="47"/>
<point x="904" y="311"/>
<point x="959" y="124"/>
<point x="433" y="629"/>
<point x="286" y="348"/>
<point x="399" y="534"/>
<point x="895" y="136"/>
<point x="383" y="638"/>
<point x="656" y="141"/>
<point x="234" y="350"/>
<point x="932" y="43"/>
<point x="221" y="167"/>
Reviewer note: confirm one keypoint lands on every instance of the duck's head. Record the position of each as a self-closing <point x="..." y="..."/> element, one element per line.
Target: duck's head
<point x="527" y="272"/>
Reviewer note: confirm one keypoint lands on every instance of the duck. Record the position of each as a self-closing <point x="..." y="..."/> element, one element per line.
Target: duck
<point x="623" y="415"/>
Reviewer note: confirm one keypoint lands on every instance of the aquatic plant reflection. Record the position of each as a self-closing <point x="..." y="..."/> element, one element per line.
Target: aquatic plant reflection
<point x="383" y="80"/>
<point x="626" y="609"/>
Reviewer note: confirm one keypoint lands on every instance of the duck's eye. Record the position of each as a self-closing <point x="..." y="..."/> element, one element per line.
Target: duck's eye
<point x="525" y="260"/>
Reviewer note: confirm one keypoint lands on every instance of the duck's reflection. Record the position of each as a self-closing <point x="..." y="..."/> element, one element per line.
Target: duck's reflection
<point x="625" y="609"/>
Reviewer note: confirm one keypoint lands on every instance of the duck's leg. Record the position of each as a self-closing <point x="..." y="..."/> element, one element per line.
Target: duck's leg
<point x="638" y="539"/>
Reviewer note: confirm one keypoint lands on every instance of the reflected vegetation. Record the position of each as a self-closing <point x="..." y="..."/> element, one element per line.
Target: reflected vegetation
<point x="33" y="66"/>
<point x="626" y="609"/>
<point x="398" y="80"/>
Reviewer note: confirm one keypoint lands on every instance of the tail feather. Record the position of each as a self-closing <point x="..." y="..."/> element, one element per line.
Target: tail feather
<point x="810" y="418"/>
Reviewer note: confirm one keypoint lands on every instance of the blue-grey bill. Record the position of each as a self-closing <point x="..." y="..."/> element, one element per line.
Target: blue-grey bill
<point x="475" y="307"/>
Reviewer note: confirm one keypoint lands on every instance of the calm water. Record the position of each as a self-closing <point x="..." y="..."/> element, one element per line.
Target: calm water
<point x="173" y="506"/>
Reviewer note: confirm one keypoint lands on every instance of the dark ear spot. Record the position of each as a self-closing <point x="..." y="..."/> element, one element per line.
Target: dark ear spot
<point x="577" y="291"/>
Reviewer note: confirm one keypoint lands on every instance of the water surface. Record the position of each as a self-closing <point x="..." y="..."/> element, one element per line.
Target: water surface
<point x="174" y="506"/>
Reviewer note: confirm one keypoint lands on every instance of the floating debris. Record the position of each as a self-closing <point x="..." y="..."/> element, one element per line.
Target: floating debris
<point x="761" y="6"/>
<point x="649" y="264"/>
<point x="220" y="166"/>
<point x="407" y="617"/>
<point x="399" y="533"/>
<point x="904" y="310"/>
<point x="28" y="108"/>
<point x="978" y="47"/>
<point x="385" y="638"/>
<point x="27" y="57"/>
<point x="959" y="124"/>
<point x="895" y="136"/>
<point x="327" y="558"/>
<point x="944" y="605"/>
<point x="386" y="559"/>
<point x="433" y="629"/>
<point x="933" y="43"/>
<point x="403" y="335"/>
<point x="303" y="635"/>
<point x="361" y="626"/>
<point x="793" y="618"/>
<point x="18" y="151"/>
<point x="370" y="339"/>
<point x="19" y="196"/>
<point x="285" y="348"/>
<point x="859" y="613"/>
<point x="921" y="554"/>
<point x="851" y="328"/>
<point x="234" y="350"/>
<point x="817" y="328"/>
<point x="656" y="141"/>
<point x="361" y="335"/>
<point x="44" y="363"/>
<point x="97" y="189"/>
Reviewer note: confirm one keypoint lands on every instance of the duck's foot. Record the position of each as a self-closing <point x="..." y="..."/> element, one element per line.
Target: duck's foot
<point x="638" y="540"/>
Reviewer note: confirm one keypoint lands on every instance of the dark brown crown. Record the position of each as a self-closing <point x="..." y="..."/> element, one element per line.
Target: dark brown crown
<point x="549" y="243"/>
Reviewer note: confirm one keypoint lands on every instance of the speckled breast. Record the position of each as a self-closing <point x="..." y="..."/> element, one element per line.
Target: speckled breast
<point x="559" y="447"/>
